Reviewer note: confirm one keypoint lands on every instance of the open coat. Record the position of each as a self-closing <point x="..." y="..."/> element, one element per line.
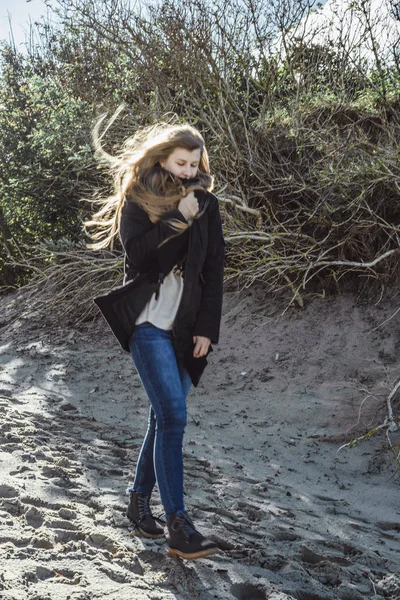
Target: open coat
<point x="152" y="250"/>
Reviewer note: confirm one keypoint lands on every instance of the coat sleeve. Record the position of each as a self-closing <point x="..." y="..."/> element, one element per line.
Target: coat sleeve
<point x="209" y="316"/>
<point x="141" y="239"/>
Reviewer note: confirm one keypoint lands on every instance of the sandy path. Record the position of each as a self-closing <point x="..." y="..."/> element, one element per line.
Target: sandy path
<point x="294" y="518"/>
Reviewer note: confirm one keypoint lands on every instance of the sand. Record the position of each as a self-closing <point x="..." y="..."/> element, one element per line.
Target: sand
<point x="294" y="518"/>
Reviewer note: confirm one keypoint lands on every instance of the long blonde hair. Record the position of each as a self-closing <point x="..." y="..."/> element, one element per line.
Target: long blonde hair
<point x="138" y="176"/>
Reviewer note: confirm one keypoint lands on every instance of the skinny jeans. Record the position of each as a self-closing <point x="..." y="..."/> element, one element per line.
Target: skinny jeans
<point x="167" y="383"/>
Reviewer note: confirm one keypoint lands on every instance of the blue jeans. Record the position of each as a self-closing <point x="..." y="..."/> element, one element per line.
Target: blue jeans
<point x="167" y="384"/>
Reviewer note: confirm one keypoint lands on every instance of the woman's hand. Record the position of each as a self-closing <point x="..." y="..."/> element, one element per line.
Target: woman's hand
<point x="201" y="346"/>
<point x="189" y="206"/>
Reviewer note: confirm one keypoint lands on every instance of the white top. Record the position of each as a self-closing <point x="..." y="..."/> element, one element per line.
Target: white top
<point x="161" y="311"/>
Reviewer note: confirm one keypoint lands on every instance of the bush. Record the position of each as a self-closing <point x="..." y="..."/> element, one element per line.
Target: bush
<point x="303" y="142"/>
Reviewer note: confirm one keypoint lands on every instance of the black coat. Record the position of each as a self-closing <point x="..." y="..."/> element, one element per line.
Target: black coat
<point x="201" y="247"/>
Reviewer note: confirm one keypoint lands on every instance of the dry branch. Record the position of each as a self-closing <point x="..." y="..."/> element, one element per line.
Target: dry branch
<point x="390" y="424"/>
<point x="65" y="280"/>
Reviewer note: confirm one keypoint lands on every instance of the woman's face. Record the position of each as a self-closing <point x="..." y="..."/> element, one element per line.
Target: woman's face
<point x="183" y="163"/>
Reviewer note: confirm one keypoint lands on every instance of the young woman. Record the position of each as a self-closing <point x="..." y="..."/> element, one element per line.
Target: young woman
<point x="170" y="228"/>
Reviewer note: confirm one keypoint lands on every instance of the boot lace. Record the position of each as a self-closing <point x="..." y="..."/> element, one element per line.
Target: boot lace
<point x="183" y="523"/>
<point x="144" y="506"/>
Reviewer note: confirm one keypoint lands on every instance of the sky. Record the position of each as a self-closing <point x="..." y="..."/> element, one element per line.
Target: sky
<point x="335" y="16"/>
<point x="344" y="20"/>
<point x="20" y="12"/>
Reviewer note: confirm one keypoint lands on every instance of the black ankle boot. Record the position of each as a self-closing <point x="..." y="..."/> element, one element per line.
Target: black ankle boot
<point x="140" y="514"/>
<point x="185" y="541"/>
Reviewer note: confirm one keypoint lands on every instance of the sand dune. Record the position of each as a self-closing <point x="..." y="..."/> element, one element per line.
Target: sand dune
<point x="293" y="517"/>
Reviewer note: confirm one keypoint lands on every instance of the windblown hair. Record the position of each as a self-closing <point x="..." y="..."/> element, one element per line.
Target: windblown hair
<point x="138" y="176"/>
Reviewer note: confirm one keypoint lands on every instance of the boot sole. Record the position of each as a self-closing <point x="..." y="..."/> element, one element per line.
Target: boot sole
<point x="178" y="554"/>
<point x="151" y="536"/>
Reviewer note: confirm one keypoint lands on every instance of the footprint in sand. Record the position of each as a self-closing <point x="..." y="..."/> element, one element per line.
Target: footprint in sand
<point x="34" y="517"/>
<point x="67" y="513"/>
<point x="63" y="536"/>
<point x="247" y="591"/>
<point x="116" y="573"/>
<point x="8" y="491"/>
<point x="99" y="540"/>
